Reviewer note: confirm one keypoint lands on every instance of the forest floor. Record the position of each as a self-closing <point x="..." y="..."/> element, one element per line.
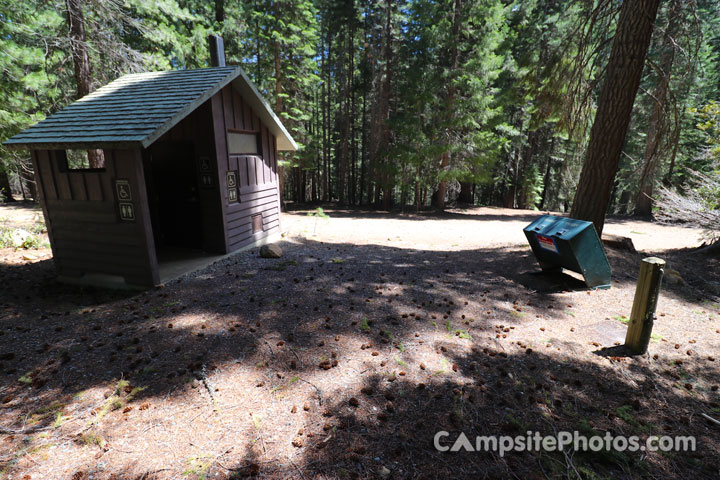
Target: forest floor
<point x="345" y="357"/>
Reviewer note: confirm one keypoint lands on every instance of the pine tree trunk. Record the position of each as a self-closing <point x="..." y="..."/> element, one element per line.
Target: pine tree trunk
<point x="442" y="186"/>
<point x="353" y="113"/>
<point x="547" y="177"/>
<point x="607" y="136"/>
<point x="388" y="187"/>
<point x="27" y="182"/>
<point x="323" y="106"/>
<point x="466" y="193"/>
<point x="299" y="197"/>
<point x="278" y="91"/>
<point x="21" y="182"/>
<point x="78" y="47"/>
<point x="375" y="118"/>
<point x="516" y="179"/>
<point x="363" y="149"/>
<point x="220" y="11"/>
<point x="384" y="124"/>
<point x="5" y="190"/>
<point x="313" y="187"/>
<point x="445" y="158"/>
<point x="536" y="136"/>
<point x="80" y="56"/>
<point x="418" y="200"/>
<point x="345" y="130"/>
<point x="643" y="201"/>
<point x="526" y="161"/>
<point x="303" y="186"/>
<point x="81" y="64"/>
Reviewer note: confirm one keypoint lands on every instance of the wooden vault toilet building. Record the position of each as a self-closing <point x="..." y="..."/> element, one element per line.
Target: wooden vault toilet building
<point x="187" y="167"/>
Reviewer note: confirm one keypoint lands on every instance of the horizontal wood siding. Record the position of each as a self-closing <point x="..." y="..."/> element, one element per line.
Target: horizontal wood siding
<point x="84" y="225"/>
<point x="257" y="174"/>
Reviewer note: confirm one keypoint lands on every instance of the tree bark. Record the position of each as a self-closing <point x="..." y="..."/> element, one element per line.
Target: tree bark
<point x="537" y="135"/>
<point x="466" y="193"/>
<point x="27" y="181"/>
<point x="220" y="11"/>
<point x="78" y="47"/>
<point x="384" y="124"/>
<point x="418" y="200"/>
<point x="442" y="186"/>
<point x="617" y="97"/>
<point x="445" y="158"/>
<point x="346" y="80"/>
<point x="352" y="190"/>
<point x="5" y="190"/>
<point x="643" y="201"/>
<point x="81" y="64"/>
<point x="325" y="180"/>
<point x="547" y="177"/>
<point x="525" y="168"/>
<point x="219" y="4"/>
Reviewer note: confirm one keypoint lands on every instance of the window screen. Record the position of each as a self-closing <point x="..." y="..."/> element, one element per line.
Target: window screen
<point x="242" y="143"/>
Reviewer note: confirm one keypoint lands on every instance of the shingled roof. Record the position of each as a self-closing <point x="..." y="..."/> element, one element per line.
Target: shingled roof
<point x="136" y="109"/>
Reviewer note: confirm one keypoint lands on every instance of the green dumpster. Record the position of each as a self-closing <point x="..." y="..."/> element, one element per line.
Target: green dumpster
<point x="559" y="242"/>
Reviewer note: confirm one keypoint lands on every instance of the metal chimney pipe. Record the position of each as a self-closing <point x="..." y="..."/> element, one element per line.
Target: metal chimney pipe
<point x="217" y="51"/>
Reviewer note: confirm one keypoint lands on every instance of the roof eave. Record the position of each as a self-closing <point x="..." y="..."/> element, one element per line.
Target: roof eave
<point x="237" y="77"/>
<point x="119" y="145"/>
<point x="284" y="145"/>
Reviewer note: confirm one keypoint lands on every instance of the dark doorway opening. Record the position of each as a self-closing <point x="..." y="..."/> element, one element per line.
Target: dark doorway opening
<point x="173" y="196"/>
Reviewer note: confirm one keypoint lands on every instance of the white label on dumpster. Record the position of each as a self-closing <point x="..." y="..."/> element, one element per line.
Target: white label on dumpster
<point x="546" y="243"/>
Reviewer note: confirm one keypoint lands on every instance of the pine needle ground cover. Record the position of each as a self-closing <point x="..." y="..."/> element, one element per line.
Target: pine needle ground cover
<point x="344" y="358"/>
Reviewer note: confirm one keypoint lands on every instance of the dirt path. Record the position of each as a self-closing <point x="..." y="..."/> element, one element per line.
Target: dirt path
<point x="20" y="214"/>
<point x="345" y="357"/>
<point x="481" y="227"/>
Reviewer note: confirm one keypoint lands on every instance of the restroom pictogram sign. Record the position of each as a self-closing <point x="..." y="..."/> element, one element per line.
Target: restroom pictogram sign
<point x="127" y="211"/>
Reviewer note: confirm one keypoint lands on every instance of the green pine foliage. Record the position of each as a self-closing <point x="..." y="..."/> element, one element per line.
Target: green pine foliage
<point x="389" y="100"/>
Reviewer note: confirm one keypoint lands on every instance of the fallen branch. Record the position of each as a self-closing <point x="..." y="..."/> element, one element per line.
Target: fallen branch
<point x="570" y="463"/>
<point x="693" y="207"/>
<point x="153" y="472"/>
<point x="716" y="422"/>
<point x="22" y="431"/>
<point x="319" y="392"/>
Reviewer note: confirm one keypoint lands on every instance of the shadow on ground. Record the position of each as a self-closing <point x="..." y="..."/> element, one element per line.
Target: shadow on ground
<point x="390" y="427"/>
<point x="280" y="319"/>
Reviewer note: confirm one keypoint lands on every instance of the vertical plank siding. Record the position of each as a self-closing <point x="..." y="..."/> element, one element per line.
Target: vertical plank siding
<point x="226" y="226"/>
<point x="257" y="174"/>
<point x="81" y="213"/>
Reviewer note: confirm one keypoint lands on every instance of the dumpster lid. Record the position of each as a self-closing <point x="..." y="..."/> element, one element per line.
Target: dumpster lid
<point x="553" y="226"/>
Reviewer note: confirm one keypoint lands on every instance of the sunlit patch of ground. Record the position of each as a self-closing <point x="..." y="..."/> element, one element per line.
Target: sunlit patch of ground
<point x="346" y="356"/>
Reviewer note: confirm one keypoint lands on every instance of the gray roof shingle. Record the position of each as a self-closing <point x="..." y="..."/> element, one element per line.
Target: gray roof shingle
<point x="136" y="109"/>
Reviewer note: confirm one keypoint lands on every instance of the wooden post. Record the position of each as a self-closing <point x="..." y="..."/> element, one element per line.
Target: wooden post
<point x="644" y="304"/>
